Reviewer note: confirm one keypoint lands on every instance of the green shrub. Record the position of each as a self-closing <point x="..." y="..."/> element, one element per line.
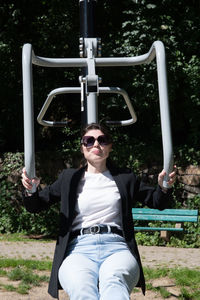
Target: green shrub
<point x="14" y="217"/>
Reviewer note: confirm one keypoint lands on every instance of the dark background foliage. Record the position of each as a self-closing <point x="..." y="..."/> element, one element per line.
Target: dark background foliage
<point x="127" y="28"/>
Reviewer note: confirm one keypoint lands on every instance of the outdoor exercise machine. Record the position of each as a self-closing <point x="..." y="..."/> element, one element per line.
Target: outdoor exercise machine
<point x="89" y="89"/>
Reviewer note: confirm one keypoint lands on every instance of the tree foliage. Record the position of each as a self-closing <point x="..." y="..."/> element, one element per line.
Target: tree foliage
<point x="127" y="28"/>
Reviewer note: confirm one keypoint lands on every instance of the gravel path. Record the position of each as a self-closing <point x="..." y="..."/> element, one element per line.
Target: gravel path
<point x="151" y="257"/>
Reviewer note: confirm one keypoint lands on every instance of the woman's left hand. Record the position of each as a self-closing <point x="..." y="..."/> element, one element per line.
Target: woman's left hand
<point x="172" y="178"/>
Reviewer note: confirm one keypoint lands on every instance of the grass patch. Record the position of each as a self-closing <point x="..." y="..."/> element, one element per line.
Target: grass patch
<point x="21" y="237"/>
<point x="186" y="277"/>
<point x="3" y="273"/>
<point x="23" y="271"/>
<point x="164" y="293"/>
<point x="23" y="288"/>
<point x="26" y="276"/>
<point x="160" y="290"/>
<point x="29" y="264"/>
<point x="189" y="295"/>
<point x="188" y="280"/>
<point x="9" y="287"/>
<point x="155" y="273"/>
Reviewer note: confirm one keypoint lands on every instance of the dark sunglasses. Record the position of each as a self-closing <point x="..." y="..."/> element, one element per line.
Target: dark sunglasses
<point x="88" y="141"/>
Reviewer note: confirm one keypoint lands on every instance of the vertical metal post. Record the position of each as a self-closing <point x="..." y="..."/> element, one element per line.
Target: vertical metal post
<point x="29" y="145"/>
<point x="164" y="110"/>
<point x="87" y="18"/>
<point x="92" y="111"/>
<point x="87" y="30"/>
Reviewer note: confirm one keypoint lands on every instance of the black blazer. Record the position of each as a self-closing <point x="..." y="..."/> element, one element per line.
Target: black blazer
<point x="65" y="190"/>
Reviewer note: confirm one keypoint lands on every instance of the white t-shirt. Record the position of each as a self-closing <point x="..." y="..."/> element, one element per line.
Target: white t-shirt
<point x="98" y="201"/>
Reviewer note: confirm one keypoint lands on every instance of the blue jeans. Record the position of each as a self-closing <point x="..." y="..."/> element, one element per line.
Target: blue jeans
<point x="99" y="266"/>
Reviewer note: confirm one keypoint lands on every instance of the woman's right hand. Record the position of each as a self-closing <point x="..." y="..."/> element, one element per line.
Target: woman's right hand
<point x="28" y="183"/>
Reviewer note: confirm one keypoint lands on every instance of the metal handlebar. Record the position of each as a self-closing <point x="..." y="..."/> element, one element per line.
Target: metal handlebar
<point x="157" y="50"/>
<point x="72" y="90"/>
<point x="48" y="101"/>
<point x="116" y="90"/>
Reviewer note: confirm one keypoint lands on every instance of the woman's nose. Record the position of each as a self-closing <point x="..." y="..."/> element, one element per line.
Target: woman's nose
<point x="96" y="143"/>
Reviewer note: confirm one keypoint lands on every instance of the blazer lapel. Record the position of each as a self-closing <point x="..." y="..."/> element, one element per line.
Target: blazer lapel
<point x="73" y="188"/>
<point x="71" y="182"/>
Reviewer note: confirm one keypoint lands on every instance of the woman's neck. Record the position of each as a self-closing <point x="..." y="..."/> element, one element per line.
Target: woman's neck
<point x="96" y="168"/>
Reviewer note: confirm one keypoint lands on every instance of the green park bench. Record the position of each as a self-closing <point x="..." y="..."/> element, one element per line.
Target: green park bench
<point x="179" y="216"/>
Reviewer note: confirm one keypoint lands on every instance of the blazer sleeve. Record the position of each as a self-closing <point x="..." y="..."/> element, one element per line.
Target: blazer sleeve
<point x="41" y="200"/>
<point x="151" y="196"/>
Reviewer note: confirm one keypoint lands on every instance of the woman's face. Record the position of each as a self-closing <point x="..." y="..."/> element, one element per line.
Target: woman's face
<point x="98" y="152"/>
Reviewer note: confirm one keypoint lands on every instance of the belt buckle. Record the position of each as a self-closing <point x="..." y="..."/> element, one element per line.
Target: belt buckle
<point x="95" y="229"/>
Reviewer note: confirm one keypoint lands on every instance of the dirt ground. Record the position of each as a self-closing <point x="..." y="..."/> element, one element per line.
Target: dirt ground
<point x="151" y="257"/>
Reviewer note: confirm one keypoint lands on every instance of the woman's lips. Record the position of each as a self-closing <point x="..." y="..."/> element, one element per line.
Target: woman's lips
<point x="96" y="151"/>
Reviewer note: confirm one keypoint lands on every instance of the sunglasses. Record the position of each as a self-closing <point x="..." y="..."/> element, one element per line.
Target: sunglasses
<point x="88" y="141"/>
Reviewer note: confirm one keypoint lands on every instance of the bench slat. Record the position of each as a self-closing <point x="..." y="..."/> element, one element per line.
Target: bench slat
<point x="153" y="217"/>
<point x="176" y="212"/>
<point x="157" y="229"/>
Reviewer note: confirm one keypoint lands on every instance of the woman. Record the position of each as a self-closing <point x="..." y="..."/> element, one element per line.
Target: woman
<point x="96" y="255"/>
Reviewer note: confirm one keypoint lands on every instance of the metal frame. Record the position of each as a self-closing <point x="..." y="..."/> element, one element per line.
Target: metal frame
<point x="74" y="90"/>
<point x="90" y="86"/>
<point x="29" y="141"/>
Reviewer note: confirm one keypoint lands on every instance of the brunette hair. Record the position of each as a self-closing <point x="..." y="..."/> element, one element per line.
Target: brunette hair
<point x="98" y="127"/>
